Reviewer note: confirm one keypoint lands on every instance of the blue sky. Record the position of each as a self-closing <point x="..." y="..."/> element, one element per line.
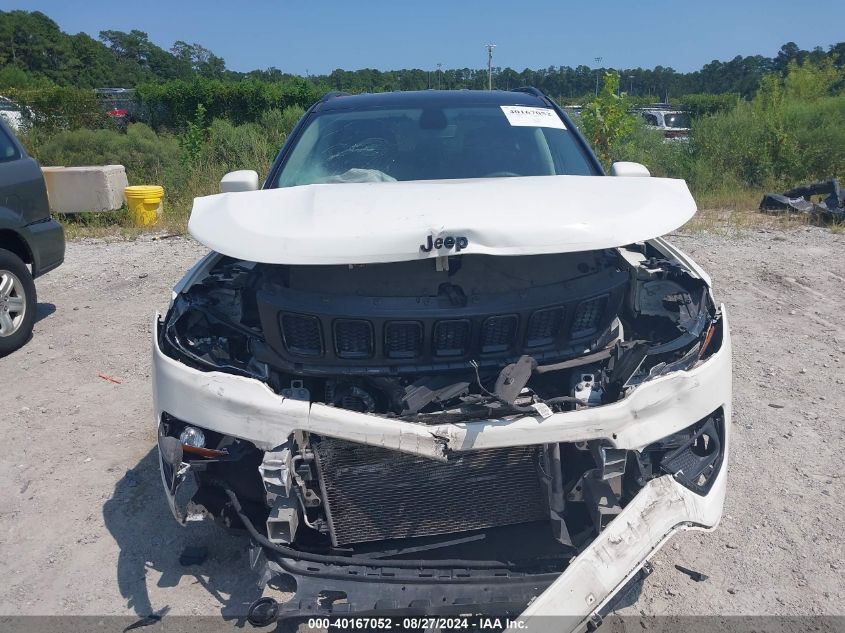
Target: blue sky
<point x="319" y="36"/>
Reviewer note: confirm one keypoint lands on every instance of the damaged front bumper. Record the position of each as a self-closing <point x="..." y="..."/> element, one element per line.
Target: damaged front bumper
<point x="248" y="409"/>
<point x="588" y="585"/>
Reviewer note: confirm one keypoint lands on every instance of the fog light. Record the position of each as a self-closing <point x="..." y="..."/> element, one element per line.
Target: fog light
<point x="192" y="436"/>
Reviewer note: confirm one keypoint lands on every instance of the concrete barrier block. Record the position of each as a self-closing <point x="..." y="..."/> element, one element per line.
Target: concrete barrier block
<point x="77" y="189"/>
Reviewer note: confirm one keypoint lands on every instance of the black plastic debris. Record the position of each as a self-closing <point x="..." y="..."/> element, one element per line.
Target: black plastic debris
<point x="263" y="612"/>
<point x="148" y="620"/>
<point x="799" y="200"/>
<point x="193" y="556"/>
<point x="697" y="576"/>
<point x="513" y="378"/>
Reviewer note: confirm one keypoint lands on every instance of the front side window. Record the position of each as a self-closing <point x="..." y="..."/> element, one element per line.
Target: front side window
<point x="389" y="144"/>
<point x="650" y="119"/>
<point x="677" y="119"/>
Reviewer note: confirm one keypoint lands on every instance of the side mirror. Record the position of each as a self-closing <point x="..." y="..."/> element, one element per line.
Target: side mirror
<point x="625" y="168"/>
<point x="241" y="180"/>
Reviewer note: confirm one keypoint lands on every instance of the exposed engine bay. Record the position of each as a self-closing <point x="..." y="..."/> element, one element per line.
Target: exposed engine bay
<point x="405" y="339"/>
<point x="457" y="339"/>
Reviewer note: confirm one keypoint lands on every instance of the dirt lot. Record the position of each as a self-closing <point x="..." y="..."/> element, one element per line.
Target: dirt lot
<point x="84" y="528"/>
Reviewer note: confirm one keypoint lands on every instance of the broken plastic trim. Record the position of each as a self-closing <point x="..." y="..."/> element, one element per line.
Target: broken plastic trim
<point x="332" y="590"/>
<point x="696" y="463"/>
<point x="182" y="305"/>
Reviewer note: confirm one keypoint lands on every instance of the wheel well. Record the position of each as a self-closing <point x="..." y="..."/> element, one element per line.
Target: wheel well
<point x="13" y="242"/>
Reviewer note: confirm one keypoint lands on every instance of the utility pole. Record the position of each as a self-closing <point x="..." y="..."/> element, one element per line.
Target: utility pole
<point x="598" y="61"/>
<point x="438" y="74"/>
<point x="490" y="48"/>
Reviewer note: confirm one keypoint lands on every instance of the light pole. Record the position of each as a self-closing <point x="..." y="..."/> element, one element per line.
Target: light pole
<point x="598" y="61"/>
<point x="438" y="75"/>
<point x="490" y="48"/>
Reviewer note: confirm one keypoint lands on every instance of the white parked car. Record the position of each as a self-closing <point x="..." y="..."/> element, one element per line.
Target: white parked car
<point x="12" y="113"/>
<point x="672" y="123"/>
<point x="441" y="364"/>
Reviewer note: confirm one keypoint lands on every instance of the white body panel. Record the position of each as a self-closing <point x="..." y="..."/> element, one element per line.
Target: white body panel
<point x="248" y="409"/>
<point x="357" y="223"/>
<point x="659" y="511"/>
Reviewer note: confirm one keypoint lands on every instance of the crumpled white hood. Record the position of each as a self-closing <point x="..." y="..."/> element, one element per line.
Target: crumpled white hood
<point x="358" y="223"/>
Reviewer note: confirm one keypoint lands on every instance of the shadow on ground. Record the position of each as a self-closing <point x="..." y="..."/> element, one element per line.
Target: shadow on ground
<point x="150" y="539"/>
<point x="43" y="310"/>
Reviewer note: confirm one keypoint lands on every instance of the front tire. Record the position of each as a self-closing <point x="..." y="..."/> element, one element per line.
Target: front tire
<point x="18" y="302"/>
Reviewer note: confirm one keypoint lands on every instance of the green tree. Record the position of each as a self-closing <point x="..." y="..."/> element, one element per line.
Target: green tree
<point x="811" y="80"/>
<point x="193" y="141"/>
<point x="199" y="59"/>
<point x="606" y="119"/>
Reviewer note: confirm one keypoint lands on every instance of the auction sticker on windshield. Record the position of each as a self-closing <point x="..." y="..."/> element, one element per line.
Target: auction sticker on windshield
<point x="532" y="117"/>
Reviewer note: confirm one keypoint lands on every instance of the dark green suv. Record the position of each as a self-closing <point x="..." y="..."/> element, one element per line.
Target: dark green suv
<point x="31" y="242"/>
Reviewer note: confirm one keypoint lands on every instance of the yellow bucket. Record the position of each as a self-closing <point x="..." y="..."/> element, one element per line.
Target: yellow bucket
<point x="144" y="203"/>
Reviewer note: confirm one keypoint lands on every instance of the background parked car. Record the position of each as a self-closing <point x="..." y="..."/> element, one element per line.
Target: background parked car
<point x="674" y="124"/>
<point x="31" y="241"/>
<point x="12" y="113"/>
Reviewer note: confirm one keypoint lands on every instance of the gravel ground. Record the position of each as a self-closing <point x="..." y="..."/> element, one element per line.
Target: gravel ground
<point x="84" y="527"/>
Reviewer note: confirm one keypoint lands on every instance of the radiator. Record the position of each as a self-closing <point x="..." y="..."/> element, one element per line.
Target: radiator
<point x="374" y="494"/>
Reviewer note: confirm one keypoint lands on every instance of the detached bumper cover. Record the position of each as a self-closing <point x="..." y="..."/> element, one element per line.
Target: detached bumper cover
<point x="661" y="509"/>
<point x="248" y="409"/>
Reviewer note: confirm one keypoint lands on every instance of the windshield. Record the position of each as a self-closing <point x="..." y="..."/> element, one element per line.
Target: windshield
<point x="387" y="144"/>
<point x="676" y="119"/>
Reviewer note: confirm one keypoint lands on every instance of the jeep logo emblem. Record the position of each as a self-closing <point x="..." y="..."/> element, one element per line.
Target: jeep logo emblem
<point x="459" y="243"/>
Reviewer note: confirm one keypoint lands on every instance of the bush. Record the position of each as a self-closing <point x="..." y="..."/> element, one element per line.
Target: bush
<point x="606" y="120"/>
<point x="173" y="104"/>
<point x="644" y="145"/>
<point x="193" y="140"/>
<point x="149" y="158"/>
<point x="792" y="132"/>
<point x="12" y="77"/>
<point x="238" y="146"/>
<point x="279" y="123"/>
<point x="817" y="134"/>
<point x="251" y="145"/>
<point x="733" y="145"/>
<point x="703" y="104"/>
<point x="53" y="108"/>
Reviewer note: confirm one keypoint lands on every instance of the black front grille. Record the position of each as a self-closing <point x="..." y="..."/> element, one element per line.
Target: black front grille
<point x="403" y="339"/>
<point x="302" y="334"/>
<point x="353" y="338"/>
<point x="588" y="316"/>
<point x="374" y="494"/>
<point x="451" y="338"/>
<point x="315" y="333"/>
<point x="498" y="333"/>
<point x="544" y="327"/>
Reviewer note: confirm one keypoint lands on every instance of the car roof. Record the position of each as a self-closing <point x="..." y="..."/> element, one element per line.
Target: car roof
<point x="430" y="98"/>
